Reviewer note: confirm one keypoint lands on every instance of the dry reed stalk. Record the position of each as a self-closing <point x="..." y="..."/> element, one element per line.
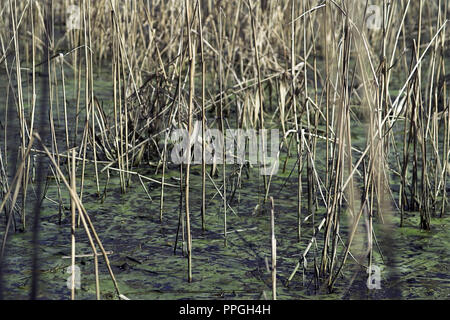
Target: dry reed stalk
<point x="274" y="250"/>
<point x="296" y="123"/>
<point x="445" y="156"/>
<point x="163" y="175"/>
<point x="73" y="225"/>
<point x="90" y="73"/>
<point x="33" y="107"/>
<point x="116" y="76"/>
<point x="221" y="121"/>
<point x="203" y="64"/>
<point x="181" y="220"/>
<point x="191" y="51"/>
<point x="260" y="96"/>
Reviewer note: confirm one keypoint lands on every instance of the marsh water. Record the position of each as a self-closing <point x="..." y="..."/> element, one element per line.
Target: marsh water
<point x="142" y="248"/>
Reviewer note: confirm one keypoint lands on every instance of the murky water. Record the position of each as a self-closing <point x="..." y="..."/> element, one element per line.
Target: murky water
<point x="146" y="267"/>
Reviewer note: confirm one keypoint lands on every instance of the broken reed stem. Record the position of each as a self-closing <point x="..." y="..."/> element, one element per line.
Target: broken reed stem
<point x="87" y="223"/>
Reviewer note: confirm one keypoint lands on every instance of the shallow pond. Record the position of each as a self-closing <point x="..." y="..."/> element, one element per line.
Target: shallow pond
<point x="146" y="267"/>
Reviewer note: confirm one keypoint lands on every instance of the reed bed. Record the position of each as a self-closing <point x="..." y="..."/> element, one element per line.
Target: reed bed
<point x="316" y="70"/>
